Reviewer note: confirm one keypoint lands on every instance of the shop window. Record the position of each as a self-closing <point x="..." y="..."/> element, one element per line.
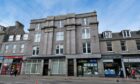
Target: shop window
<point x="109" y="45"/>
<point x="85" y="33"/>
<point x="138" y="44"/>
<point x="123" y="45"/>
<point x="86" y="47"/>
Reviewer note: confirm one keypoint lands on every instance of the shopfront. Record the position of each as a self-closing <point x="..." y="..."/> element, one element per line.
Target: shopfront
<point x="1" y="62"/>
<point x="87" y="67"/>
<point x="10" y="64"/>
<point x="130" y="63"/>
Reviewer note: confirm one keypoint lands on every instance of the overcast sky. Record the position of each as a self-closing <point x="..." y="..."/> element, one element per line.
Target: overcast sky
<point x="114" y="15"/>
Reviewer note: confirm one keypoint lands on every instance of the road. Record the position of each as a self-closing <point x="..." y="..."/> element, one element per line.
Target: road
<point x="63" y="80"/>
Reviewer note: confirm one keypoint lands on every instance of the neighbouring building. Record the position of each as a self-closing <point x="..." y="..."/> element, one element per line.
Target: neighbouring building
<point x="14" y="42"/>
<point x="120" y="50"/>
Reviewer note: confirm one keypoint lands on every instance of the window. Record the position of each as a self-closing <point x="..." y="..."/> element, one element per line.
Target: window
<point x="14" y="48"/>
<point x="107" y="34"/>
<point x="33" y="67"/>
<point x="85" y="22"/>
<point x="38" y="26"/>
<point x="138" y="44"/>
<point x="22" y="48"/>
<point x="6" y="48"/>
<point x="37" y="37"/>
<point x="126" y="33"/>
<point x="59" y="49"/>
<point x="11" y="37"/>
<point x="58" y="66"/>
<point x="25" y="37"/>
<point x="18" y="37"/>
<point x="86" y="33"/>
<point x="35" y="50"/>
<point x="60" y="24"/>
<point x="86" y="47"/>
<point x="109" y="45"/>
<point x="59" y="36"/>
<point x="123" y="45"/>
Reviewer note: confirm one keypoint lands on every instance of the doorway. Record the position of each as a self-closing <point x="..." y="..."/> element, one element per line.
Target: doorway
<point x="70" y="67"/>
<point x="45" y="67"/>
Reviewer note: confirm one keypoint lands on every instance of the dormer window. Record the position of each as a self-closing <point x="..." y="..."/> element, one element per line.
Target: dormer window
<point x="11" y="37"/>
<point x="25" y="37"/>
<point x="18" y="37"/>
<point x="126" y="33"/>
<point x="107" y="34"/>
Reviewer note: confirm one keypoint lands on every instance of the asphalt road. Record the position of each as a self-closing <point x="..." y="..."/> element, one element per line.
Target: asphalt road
<point x="63" y="80"/>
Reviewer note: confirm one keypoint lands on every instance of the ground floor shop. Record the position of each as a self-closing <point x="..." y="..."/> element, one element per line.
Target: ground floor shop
<point x="62" y="66"/>
<point x="10" y="64"/>
<point x="1" y="62"/>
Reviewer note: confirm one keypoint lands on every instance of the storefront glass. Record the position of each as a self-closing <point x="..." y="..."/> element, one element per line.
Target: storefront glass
<point x="87" y="67"/>
<point x="58" y="67"/>
<point x="32" y="67"/>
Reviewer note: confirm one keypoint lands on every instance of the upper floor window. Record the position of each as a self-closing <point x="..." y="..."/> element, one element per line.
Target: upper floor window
<point x="14" y="48"/>
<point x="6" y="48"/>
<point x="126" y="33"/>
<point x="21" y="48"/>
<point x="59" y="49"/>
<point x="35" y="50"/>
<point x="138" y="44"/>
<point x="37" y="37"/>
<point x="25" y="37"/>
<point x="1" y="28"/>
<point x="11" y="38"/>
<point x="59" y="36"/>
<point x="18" y="37"/>
<point x="109" y="45"/>
<point x="86" y="33"/>
<point x="123" y="45"/>
<point x="85" y="21"/>
<point x="38" y="26"/>
<point x="107" y="34"/>
<point x="60" y="24"/>
<point x="86" y="47"/>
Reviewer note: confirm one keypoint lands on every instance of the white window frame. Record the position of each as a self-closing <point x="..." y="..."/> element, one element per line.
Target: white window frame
<point x="60" y="24"/>
<point x="86" y="47"/>
<point x="11" y="38"/>
<point x="6" y="48"/>
<point x="37" y="37"/>
<point x="14" y="48"/>
<point x="59" y="47"/>
<point x="18" y="37"/>
<point x="126" y="33"/>
<point x="36" y="49"/>
<point x="25" y="37"/>
<point x="85" y="21"/>
<point x="38" y="26"/>
<point x="107" y="35"/>
<point x="59" y="36"/>
<point x="86" y="33"/>
<point x="22" y="46"/>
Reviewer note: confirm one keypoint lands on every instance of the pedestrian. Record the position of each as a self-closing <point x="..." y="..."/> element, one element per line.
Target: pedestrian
<point x="133" y="72"/>
<point x="15" y="72"/>
<point x="127" y="72"/>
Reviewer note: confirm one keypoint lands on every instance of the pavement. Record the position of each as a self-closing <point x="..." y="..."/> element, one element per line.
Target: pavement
<point x="64" y="80"/>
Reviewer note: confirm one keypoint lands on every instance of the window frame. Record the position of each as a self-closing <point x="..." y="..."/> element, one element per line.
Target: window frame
<point x="25" y="37"/>
<point x="86" y="33"/>
<point x="37" y="37"/>
<point x="86" y="47"/>
<point x="109" y="46"/>
<point x="35" y="51"/>
<point x="59" y="48"/>
<point x="59" y="36"/>
<point x="138" y="44"/>
<point x="11" y="38"/>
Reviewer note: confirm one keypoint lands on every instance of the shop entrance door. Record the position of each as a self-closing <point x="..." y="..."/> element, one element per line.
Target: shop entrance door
<point x="70" y="67"/>
<point x="45" y="68"/>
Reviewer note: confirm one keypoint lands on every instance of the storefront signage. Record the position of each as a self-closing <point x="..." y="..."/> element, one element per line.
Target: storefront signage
<point x="132" y="60"/>
<point x="11" y="57"/>
<point x="108" y="60"/>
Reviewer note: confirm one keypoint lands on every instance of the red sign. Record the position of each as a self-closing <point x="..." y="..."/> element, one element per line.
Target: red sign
<point x="11" y="57"/>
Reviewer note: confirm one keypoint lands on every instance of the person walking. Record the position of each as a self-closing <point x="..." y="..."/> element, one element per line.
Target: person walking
<point x="133" y="72"/>
<point x="15" y="72"/>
